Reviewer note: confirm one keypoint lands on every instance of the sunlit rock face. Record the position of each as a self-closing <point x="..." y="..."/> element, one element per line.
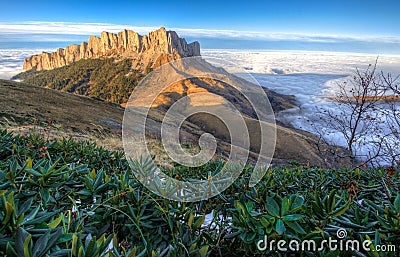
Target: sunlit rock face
<point x="144" y="50"/>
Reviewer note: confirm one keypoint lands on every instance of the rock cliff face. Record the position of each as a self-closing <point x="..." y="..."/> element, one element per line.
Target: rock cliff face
<point x="144" y="50"/>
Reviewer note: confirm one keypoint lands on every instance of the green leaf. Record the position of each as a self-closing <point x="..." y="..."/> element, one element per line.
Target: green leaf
<point x="132" y="252"/>
<point x="93" y="174"/>
<point x="317" y="200"/>
<point x="3" y="192"/>
<point x="80" y="251"/>
<point x="10" y="251"/>
<point x="190" y="221"/>
<point x="264" y="221"/>
<point x="330" y="201"/>
<point x="29" y="163"/>
<point x="53" y="239"/>
<point x="383" y="222"/>
<point x="192" y="247"/>
<point x="61" y="253"/>
<point x="9" y="212"/>
<point x="250" y="237"/>
<point x="296" y="227"/>
<point x="21" y="236"/>
<point x="45" y="194"/>
<point x="240" y="206"/>
<point x="272" y="207"/>
<point x="84" y="192"/>
<point x="20" y="219"/>
<point x="199" y="222"/>
<point x="74" y="247"/>
<point x="348" y="223"/>
<point x="280" y="227"/>
<point x="25" y="206"/>
<point x="397" y="203"/>
<point x="232" y="235"/>
<point x="27" y="252"/>
<point x="90" y="247"/>
<point x="292" y="217"/>
<point x="374" y="206"/>
<point x="40" y="219"/>
<point x="33" y="172"/>
<point x="41" y="244"/>
<point x="142" y="253"/>
<point x="65" y="238"/>
<point x="339" y="211"/>
<point x="203" y="251"/>
<point x="31" y="215"/>
<point x="98" y="179"/>
<point x="10" y="198"/>
<point x="285" y="206"/>
<point x="55" y="222"/>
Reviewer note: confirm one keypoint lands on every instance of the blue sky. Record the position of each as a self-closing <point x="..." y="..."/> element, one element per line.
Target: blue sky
<point x="314" y="22"/>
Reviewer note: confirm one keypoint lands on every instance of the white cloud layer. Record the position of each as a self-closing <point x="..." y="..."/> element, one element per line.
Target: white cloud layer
<point x="71" y="28"/>
<point x="313" y="76"/>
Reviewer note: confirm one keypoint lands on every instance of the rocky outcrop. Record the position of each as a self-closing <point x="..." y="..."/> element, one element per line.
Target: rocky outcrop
<point x="126" y="44"/>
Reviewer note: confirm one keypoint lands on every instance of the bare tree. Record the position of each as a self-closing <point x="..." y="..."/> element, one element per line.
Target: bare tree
<point x="364" y="112"/>
<point x="393" y="114"/>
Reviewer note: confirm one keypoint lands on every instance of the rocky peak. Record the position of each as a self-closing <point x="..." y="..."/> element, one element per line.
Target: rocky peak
<point x="125" y="44"/>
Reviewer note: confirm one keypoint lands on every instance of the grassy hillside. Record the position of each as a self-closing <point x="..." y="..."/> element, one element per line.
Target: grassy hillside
<point x="69" y="198"/>
<point x="25" y="108"/>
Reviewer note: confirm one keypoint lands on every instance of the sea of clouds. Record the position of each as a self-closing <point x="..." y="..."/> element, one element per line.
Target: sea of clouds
<point x="312" y="77"/>
<point x="12" y="60"/>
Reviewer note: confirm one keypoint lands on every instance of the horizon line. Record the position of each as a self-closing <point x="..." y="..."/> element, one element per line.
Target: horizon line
<point x="90" y="28"/>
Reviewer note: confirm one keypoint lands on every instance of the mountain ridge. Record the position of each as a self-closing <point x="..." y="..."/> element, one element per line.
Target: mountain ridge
<point x="127" y="43"/>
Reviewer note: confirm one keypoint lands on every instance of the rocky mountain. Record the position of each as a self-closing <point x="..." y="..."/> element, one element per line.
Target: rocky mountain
<point x="145" y="50"/>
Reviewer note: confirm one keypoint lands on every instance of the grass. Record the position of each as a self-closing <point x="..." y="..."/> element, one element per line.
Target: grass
<point x="24" y="104"/>
<point x="29" y="109"/>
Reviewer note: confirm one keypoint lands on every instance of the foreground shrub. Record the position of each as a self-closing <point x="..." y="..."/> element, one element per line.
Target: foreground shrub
<point x="70" y="198"/>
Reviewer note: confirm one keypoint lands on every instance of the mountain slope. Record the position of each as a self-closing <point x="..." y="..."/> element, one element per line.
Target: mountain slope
<point x="106" y="79"/>
<point x="24" y="105"/>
